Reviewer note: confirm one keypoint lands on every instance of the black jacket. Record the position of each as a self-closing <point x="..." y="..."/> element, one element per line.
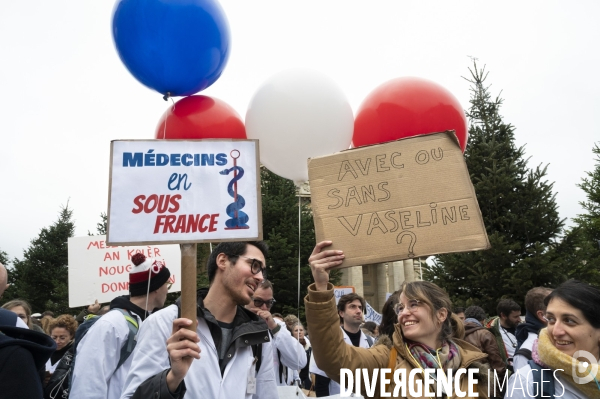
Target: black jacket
<point x="23" y="353"/>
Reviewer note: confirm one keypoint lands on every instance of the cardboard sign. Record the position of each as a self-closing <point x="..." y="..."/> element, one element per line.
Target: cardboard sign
<point x="184" y="191"/>
<point x="99" y="271"/>
<point x="399" y="200"/>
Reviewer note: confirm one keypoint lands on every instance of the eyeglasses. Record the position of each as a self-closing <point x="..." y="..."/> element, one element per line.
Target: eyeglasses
<point x="259" y="302"/>
<point x="256" y="266"/>
<point x="412" y="306"/>
<point x="169" y="286"/>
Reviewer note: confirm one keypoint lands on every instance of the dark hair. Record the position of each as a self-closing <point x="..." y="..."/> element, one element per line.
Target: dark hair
<point x="436" y="298"/>
<point x="389" y="318"/>
<point x="580" y="295"/>
<point x="349" y="298"/>
<point x="370" y="325"/>
<point x="534" y="299"/>
<point x="277" y="315"/>
<point x="458" y="310"/>
<point x="507" y="306"/>
<point x="266" y="284"/>
<point x="233" y="250"/>
<point x="475" y="312"/>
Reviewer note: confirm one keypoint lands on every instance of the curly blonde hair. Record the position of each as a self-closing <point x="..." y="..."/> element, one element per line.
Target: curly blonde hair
<point x="65" y="321"/>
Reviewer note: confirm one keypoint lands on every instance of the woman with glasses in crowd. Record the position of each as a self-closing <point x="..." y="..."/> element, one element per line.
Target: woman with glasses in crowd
<point x="425" y="335"/>
<point x="568" y="350"/>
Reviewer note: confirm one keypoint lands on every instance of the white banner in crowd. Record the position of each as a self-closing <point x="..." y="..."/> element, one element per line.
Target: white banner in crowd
<point x="183" y="191"/>
<point x="372" y="315"/>
<point x="98" y="271"/>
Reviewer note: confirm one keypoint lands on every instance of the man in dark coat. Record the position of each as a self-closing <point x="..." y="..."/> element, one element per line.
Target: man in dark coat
<point x="481" y="337"/>
<point x="23" y="353"/>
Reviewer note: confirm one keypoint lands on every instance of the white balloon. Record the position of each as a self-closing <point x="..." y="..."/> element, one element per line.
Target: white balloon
<point x="298" y="114"/>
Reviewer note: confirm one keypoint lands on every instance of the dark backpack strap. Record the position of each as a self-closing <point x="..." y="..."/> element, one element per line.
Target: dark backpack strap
<point x="369" y="340"/>
<point x="282" y="369"/>
<point x="524" y="352"/>
<point x="546" y="384"/>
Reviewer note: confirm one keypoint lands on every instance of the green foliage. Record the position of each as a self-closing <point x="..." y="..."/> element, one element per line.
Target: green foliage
<point x="579" y="251"/>
<point x="101" y="225"/>
<point x="518" y="208"/>
<point x="590" y="222"/>
<point x="4" y="258"/>
<point x="280" y="231"/>
<point x="41" y="276"/>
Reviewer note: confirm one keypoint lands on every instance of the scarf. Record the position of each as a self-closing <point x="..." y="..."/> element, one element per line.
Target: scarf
<point x="448" y="355"/>
<point x="532" y="324"/>
<point x="544" y="353"/>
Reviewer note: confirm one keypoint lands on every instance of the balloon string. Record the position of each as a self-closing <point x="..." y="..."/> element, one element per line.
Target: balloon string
<point x="172" y="110"/>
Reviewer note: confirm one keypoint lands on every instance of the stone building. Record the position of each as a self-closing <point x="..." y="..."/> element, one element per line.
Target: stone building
<point x="374" y="282"/>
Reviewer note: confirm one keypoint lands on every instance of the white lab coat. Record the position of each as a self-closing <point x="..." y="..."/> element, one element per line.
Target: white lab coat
<point x="334" y="387"/>
<point x="293" y="355"/>
<point x="203" y="379"/>
<point x="95" y="375"/>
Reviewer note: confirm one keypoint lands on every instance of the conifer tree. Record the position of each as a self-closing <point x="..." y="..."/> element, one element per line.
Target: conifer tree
<point x="579" y="251"/>
<point x="101" y="225"/>
<point x="41" y="277"/>
<point x="518" y="208"/>
<point x="4" y="258"/>
<point x="590" y="222"/>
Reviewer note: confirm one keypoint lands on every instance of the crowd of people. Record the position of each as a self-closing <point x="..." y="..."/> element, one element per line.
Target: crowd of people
<point x="236" y="348"/>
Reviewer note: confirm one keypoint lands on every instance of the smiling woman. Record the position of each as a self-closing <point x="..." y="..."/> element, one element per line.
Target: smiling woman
<point x="568" y="349"/>
<point x="426" y="341"/>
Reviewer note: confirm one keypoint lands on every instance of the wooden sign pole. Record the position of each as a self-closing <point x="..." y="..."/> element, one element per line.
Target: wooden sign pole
<point x="188" y="284"/>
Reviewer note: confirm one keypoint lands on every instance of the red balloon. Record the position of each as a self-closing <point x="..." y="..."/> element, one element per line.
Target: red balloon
<point x="200" y="117"/>
<point x="405" y="107"/>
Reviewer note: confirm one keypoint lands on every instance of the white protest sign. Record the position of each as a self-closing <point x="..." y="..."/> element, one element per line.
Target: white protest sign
<point x="98" y="271"/>
<point x="184" y="191"/>
<point x="340" y="291"/>
<point x="372" y="315"/>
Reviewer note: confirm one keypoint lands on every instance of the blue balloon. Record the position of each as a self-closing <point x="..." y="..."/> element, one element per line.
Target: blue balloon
<point x="176" y="47"/>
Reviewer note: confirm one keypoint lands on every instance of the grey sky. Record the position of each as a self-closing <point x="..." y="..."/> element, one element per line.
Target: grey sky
<point x="66" y="93"/>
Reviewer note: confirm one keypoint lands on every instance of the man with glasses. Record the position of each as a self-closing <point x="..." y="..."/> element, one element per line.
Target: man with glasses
<point x="225" y="356"/>
<point x="103" y="356"/>
<point x="288" y="354"/>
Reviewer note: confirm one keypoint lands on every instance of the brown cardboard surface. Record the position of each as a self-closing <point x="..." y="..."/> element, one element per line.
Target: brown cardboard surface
<point x="399" y="200"/>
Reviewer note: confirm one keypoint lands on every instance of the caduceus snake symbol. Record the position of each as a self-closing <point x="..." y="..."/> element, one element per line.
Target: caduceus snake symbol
<point x="238" y="218"/>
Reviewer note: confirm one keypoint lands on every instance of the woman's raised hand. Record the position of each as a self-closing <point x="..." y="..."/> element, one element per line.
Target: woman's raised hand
<point x="322" y="261"/>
